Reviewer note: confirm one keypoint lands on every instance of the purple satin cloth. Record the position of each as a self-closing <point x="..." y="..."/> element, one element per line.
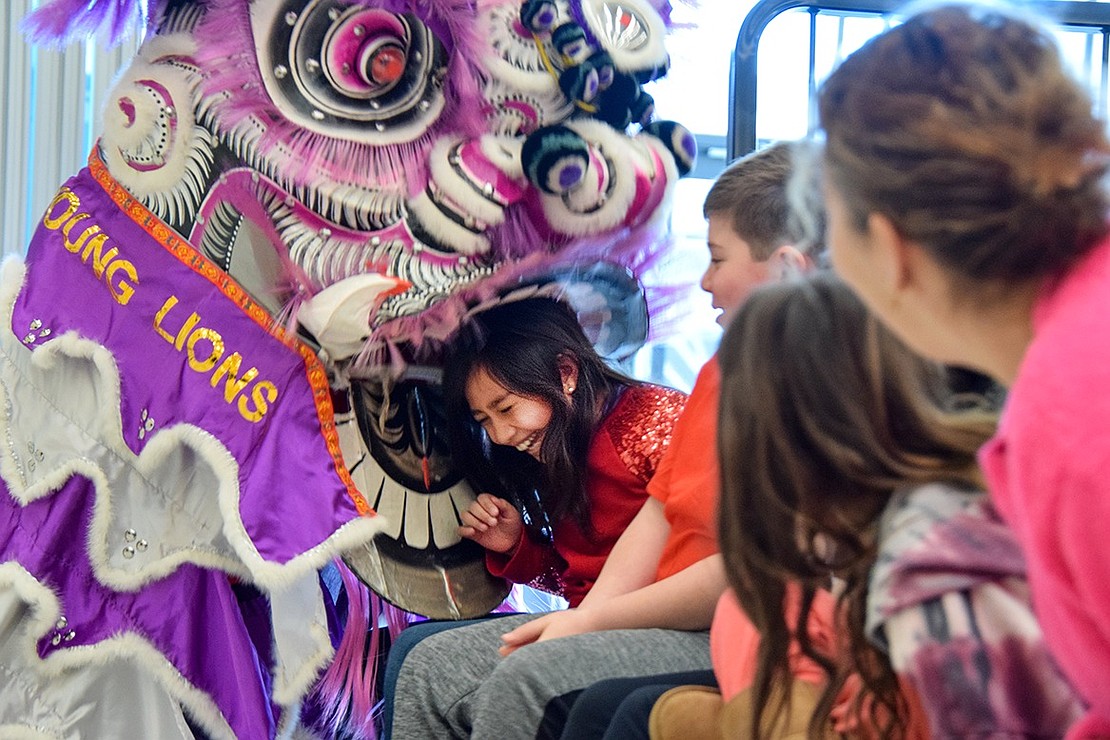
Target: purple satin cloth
<point x="293" y="494"/>
<point x="131" y="285"/>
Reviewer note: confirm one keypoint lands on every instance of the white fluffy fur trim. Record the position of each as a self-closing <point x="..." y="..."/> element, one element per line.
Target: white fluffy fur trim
<point x="444" y="230"/>
<point x="513" y="60"/>
<point x="135" y="125"/>
<point x="456" y="188"/>
<point x="302" y="645"/>
<point x="585" y="211"/>
<point x="670" y="172"/>
<point x="504" y="151"/>
<point x="44" y="612"/>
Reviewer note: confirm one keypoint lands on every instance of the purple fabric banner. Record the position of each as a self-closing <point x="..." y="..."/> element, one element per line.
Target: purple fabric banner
<point x="191" y="347"/>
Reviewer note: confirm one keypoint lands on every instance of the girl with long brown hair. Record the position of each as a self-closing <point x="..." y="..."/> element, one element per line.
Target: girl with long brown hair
<point x="847" y="461"/>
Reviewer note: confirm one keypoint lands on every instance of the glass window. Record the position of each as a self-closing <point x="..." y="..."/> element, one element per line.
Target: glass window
<point x="697" y="93"/>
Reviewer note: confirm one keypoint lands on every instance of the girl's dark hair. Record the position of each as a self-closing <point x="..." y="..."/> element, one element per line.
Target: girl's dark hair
<point x="824" y="415"/>
<point x="963" y="127"/>
<point x="522" y="344"/>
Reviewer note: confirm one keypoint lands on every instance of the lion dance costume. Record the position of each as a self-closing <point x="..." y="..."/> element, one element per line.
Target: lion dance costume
<point x="220" y="357"/>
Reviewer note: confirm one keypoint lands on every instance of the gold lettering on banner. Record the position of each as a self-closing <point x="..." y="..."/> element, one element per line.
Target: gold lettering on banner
<point x="204" y="349"/>
<point x="100" y="259"/>
<point x="215" y="351"/>
<point x="121" y="289"/>
<point x="177" y="340"/>
<point x="234" y="384"/>
<point x="75" y="246"/>
<point x="67" y="196"/>
<point x="261" y="405"/>
<point x="91" y="242"/>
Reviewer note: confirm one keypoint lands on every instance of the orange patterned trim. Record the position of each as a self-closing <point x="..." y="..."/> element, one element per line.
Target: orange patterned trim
<point x="201" y="265"/>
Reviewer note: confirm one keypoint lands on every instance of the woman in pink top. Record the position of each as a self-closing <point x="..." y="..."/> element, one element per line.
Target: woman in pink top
<point x="966" y="207"/>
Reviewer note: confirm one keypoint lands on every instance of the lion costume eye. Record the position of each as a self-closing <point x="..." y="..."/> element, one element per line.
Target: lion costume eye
<point x="365" y="74"/>
<point x="383" y="63"/>
<point x="366" y="51"/>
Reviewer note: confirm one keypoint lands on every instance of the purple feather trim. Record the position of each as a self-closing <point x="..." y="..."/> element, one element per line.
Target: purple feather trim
<point x="422" y="337"/>
<point x="346" y="694"/>
<point x="665" y="8"/>
<point x="346" y="689"/>
<point x="62" y="22"/>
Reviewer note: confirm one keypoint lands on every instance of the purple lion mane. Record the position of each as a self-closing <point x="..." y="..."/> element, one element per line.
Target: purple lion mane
<point x="427" y="333"/>
<point x="60" y="22"/>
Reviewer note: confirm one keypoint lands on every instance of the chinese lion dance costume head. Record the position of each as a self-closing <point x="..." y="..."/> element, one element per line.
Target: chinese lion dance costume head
<point x="228" y="333"/>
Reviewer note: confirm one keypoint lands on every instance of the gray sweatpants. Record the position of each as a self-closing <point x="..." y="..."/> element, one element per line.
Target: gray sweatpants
<point x="456" y="685"/>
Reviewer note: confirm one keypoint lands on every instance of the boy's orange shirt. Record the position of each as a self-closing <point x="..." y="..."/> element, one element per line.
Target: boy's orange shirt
<point x="686" y="482"/>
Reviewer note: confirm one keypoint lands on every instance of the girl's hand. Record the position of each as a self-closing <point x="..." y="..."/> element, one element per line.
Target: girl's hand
<point x="493" y="523"/>
<point x="548" y="627"/>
